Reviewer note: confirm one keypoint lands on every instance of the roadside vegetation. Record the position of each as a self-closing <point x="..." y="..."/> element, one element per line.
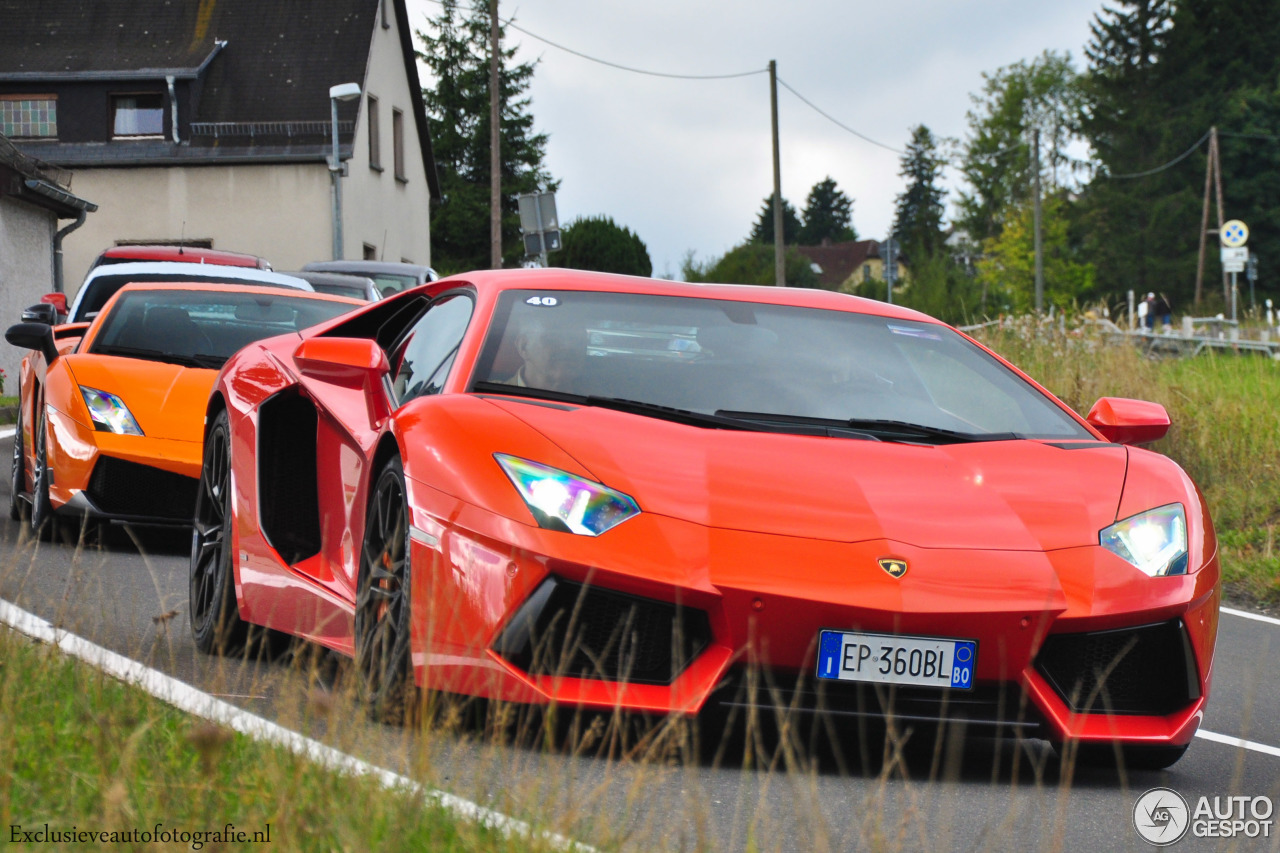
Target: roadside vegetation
<point x="1225" y="433"/>
<point x="84" y="751"/>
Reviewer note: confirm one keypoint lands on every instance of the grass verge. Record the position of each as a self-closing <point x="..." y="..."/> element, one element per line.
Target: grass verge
<point x="85" y="752"/>
<point x="1225" y="411"/>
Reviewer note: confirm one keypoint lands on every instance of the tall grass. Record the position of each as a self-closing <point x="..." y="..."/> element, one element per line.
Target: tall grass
<point x="1225" y="411"/>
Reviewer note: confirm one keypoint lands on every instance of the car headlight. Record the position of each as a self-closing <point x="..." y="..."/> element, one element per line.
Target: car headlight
<point x="109" y="413"/>
<point x="562" y="501"/>
<point x="1154" y="541"/>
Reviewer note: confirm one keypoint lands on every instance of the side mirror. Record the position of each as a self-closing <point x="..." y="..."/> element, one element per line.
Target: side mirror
<point x="342" y="360"/>
<point x="355" y="363"/>
<point x="57" y="300"/>
<point x="36" y="336"/>
<point x="1126" y="421"/>
<point x="42" y="313"/>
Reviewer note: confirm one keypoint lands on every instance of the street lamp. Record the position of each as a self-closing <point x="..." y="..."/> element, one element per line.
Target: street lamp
<point x="341" y="92"/>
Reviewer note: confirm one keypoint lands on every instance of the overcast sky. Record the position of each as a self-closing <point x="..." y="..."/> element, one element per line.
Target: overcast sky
<point x="686" y="164"/>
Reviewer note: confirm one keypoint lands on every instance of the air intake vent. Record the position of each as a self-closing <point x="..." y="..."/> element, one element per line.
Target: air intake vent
<point x="1145" y="670"/>
<point x="126" y="489"/>
<point x="588" y="632"/>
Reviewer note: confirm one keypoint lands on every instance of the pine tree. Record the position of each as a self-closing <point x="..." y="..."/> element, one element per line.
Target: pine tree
<point x="918" y="218"/>
<point x="1126" y="219"/>
<point x="458" y="108"/>
<point x="762" y="231"/>
<point x="828" y="215"/>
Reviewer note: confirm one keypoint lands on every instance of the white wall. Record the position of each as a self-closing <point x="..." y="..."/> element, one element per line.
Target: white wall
<point x="279" y="212"/>
<point x="391" y="215"/>
<point x="26" y="272"/>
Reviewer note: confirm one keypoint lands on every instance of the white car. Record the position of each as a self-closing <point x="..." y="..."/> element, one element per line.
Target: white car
<point x="103" y="281"/>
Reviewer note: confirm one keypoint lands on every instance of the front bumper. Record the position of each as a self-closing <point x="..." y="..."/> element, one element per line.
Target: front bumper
<point x="130" y="478"/>
<point x="765" y="599"/>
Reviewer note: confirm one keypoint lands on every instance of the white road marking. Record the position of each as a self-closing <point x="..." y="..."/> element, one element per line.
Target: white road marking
<point x="1245" y="614"/>
<point x="186" y="698"/>
<point x="5" y="432"/>
<point x="1273" y="751"/>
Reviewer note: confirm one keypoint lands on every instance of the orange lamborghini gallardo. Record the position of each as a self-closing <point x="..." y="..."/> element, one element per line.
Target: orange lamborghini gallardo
<point x="111" y="426"/>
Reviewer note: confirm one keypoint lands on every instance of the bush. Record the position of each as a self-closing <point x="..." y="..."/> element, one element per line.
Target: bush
<point x="598" y="243"/>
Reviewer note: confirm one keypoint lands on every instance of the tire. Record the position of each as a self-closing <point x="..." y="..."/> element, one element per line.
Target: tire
<point x="41" y="509"/>
<point x="382" y="617"/>
<point x="18" y="474"/>
<point x="216" y="625"/>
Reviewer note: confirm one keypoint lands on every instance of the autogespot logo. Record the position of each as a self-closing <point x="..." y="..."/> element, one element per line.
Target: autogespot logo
<point x="1161" y="816"/>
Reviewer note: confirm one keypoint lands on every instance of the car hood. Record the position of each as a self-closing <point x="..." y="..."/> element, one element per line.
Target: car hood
<point x="167" y="400"/>
<point x="1005" y="495"/>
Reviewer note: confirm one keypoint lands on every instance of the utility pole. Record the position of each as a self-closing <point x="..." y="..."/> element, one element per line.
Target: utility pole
<point x="1212" y="176"/>
<point x="779" y="250"/>
<point x="1039" y="240"/>
<point x="1228" y="288"/>
<point x="495" y="137"/>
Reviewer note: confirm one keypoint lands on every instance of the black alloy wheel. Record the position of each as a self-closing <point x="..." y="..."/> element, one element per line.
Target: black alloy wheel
<point x="41" y="509"/>
<point x="382" y="619"/>
<point x="18" y="474"/>
<point x="215" y="618"/>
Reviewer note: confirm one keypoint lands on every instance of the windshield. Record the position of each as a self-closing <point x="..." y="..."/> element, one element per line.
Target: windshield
<point x="203" y="328"/>
<point x="389" y="284"/>
<point x="766" y="364"/>
<point x="103" y="287"/>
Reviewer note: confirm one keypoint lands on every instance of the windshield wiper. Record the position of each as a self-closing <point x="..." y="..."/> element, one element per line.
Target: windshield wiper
<point x="635" y="407"/>
<point x="210" y="360"/>
<point x="884" y="430"/>
<point x="151" y="355"/>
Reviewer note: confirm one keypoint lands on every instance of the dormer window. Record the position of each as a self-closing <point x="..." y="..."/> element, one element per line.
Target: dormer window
<point x="29" y="116"/>
<point x="137" y="115"/>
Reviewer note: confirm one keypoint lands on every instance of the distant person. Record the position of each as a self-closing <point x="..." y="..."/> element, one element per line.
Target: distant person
<point x="1143" y="308"/>
<point x="1162" y="310"/>
<point x="1150" y="302"/>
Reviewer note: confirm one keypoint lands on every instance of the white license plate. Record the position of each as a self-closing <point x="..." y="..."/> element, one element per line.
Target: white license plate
<point x="894" y="659"/>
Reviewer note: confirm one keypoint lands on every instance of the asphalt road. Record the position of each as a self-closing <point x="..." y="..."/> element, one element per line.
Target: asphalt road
<point x="131" y="596"/>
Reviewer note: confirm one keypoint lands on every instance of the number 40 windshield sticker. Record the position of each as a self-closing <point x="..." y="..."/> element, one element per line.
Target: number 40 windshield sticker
<point x="546" y="301"/>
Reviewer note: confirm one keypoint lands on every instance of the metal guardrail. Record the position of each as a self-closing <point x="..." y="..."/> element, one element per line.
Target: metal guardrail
<point x="218" y="129"/>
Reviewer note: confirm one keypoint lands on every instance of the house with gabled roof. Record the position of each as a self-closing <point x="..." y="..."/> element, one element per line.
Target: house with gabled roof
<point x="208" y="122"/>
<point x="34" y="198"/>
<point x="843" y="266"/>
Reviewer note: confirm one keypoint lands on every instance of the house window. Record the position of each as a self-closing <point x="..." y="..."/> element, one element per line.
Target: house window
<point x="28" y="116"/>
<point x="375" y="143"/>
<point x="137" y="115"/>
<point x="397" y="143"/>
<point x="370" y="252"/>
<point x="866" y="272"/>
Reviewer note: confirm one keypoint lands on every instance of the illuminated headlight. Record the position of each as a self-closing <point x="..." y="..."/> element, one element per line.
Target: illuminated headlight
<point x="109" y="413"/>
<point x="561" y="501"/>
<point x="1154" y="541"/>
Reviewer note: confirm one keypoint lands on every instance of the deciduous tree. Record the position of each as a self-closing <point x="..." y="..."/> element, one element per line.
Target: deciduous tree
<point x="598" y="243"/>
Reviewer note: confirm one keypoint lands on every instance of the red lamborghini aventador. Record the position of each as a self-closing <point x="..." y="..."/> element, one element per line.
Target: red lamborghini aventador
<point x="609" y="492"/>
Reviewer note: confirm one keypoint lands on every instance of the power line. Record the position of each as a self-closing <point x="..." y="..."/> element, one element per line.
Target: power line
<point x="644" y="71"/>
<point x="1175" y="161"/>
<point x="671" y="76"/>
<point x="510" y="22"/>
<point x="834" y="121"/>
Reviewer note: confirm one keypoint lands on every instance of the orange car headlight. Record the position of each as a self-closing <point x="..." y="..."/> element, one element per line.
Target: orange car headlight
<point x="109" y="413"/>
